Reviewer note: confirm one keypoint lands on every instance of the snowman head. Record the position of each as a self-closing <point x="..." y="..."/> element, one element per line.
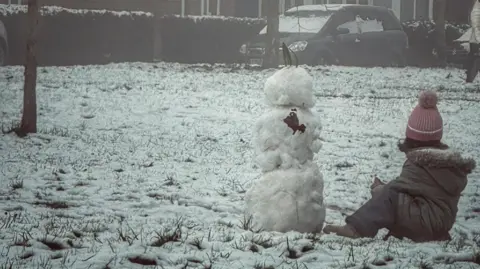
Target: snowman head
<point x="290" y="86"/>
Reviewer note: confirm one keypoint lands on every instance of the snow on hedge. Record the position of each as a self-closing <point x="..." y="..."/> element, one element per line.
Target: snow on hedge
<point x="197" y="19"/>
<point x="7" y="10"/>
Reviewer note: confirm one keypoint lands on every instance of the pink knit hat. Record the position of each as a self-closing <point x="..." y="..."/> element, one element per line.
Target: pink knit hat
<point x="425" y="123"/>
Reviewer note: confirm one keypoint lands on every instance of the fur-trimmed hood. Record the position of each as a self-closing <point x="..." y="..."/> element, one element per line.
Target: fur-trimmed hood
<point x="441" y="158"/>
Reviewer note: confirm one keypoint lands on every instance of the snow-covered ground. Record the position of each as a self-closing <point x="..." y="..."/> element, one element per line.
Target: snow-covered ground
<point x="148" y="164"/>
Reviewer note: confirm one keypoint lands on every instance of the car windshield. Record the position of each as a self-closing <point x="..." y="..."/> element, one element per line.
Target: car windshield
<point x="302" y="21"/>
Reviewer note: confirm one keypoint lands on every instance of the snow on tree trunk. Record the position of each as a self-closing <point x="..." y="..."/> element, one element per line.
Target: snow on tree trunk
<point x="440" y="37"/>
<point x="272" y="41"/>
<point x="29" y="118"/>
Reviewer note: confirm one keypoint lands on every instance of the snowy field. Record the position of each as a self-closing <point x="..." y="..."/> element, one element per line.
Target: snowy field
<point x="148" y="164"/>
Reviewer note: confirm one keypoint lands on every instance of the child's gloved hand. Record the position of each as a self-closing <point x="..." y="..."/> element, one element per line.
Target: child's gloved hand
<point x="377" y="184"/>
<point x="376" y="181"/>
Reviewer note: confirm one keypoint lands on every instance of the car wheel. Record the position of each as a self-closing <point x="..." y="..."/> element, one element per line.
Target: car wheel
<point x="3" y="56"/>
<point x="398" y="61"/>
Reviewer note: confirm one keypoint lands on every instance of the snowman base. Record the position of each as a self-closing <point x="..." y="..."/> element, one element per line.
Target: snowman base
<point x="288" y="200"/>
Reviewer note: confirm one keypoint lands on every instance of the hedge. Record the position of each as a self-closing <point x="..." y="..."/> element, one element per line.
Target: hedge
<point x="209" y="39"/>
<point x="80" y="37"/>
<point x="421" y="38"/>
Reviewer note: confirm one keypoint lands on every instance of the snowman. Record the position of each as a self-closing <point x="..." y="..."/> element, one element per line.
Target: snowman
<point x="289" y="194"/>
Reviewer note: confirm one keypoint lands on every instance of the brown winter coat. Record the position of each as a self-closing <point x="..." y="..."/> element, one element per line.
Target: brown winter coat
<point x="429" y="189"/>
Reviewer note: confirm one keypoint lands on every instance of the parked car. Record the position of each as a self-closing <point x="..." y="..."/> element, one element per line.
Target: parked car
<point x="3" y="45"/>
<point x="357" y="35"/>
<point x="457" y="51"/>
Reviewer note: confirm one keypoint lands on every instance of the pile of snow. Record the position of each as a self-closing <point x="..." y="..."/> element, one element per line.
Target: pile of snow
<point x="289" y="195"/>
<point x="288" y="200"/>
<point x="7" y="10"/>
<point x="290" y="87"/>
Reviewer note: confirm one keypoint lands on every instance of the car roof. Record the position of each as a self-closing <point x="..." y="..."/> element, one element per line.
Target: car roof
<point x="335" y="7"/>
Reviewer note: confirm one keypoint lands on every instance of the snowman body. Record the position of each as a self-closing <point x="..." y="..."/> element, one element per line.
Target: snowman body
<point x="289" y="194"/>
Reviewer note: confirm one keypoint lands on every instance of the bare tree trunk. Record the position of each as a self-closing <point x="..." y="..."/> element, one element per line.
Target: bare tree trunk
<point x="440" y="36"/>
<point x="272" y="42"/>
<point x="157" y="38"/>
<point x="29" y="118"/>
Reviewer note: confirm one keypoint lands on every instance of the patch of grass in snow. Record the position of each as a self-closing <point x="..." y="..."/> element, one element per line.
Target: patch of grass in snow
<point x="247" y="224"/>
<point x="53" y="244"/>
<point x="55" y="131"/>
<point x="127" y="234"/>
<point x="344" y="164"/>
<point x="291" y="252"/>
<point x="198" y="243"/>
<point x="16" y="183"/>
<point x="143" y="260"/>
<point x="259" y="265"/>
<point x="262" y="240"/>
<point x="169" y="234"/>
<point x="80" y="183"/>
<point x="60" y="188"/>
<point x="171" y="181"/>
<point x="458" y="241"/>
<point x="425" y="265"/>
<point x="162" y="196"/>
<point x="22" y="239"/>
<point x="10" y="127"/>
<point x="26" y="255"/>
<point x="53" y="204"/>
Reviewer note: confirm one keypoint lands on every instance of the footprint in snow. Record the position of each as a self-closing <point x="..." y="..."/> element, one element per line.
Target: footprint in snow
<point x="88" y="116"/>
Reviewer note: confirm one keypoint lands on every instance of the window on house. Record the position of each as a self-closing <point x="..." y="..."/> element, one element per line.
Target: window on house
<point x="406" y="10"/>
<point x="383" y="3"/>
<point x="422" y="9"/>
<point x="360" y="2"/>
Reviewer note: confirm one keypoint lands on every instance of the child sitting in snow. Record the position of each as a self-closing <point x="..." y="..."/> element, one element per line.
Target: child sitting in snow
<point x="420" y="204"/>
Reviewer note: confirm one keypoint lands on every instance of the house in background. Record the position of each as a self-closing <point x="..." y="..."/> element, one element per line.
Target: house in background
<point x="457" y="10"/>
<point x="404" y="9"/>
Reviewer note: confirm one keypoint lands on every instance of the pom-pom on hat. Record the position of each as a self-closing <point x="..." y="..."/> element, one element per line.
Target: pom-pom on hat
<point x="425" y="122"/>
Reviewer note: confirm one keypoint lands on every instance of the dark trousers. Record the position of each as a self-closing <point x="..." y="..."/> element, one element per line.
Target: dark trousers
<point x="377" y="213"/>
<point x="471" y="65"/>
